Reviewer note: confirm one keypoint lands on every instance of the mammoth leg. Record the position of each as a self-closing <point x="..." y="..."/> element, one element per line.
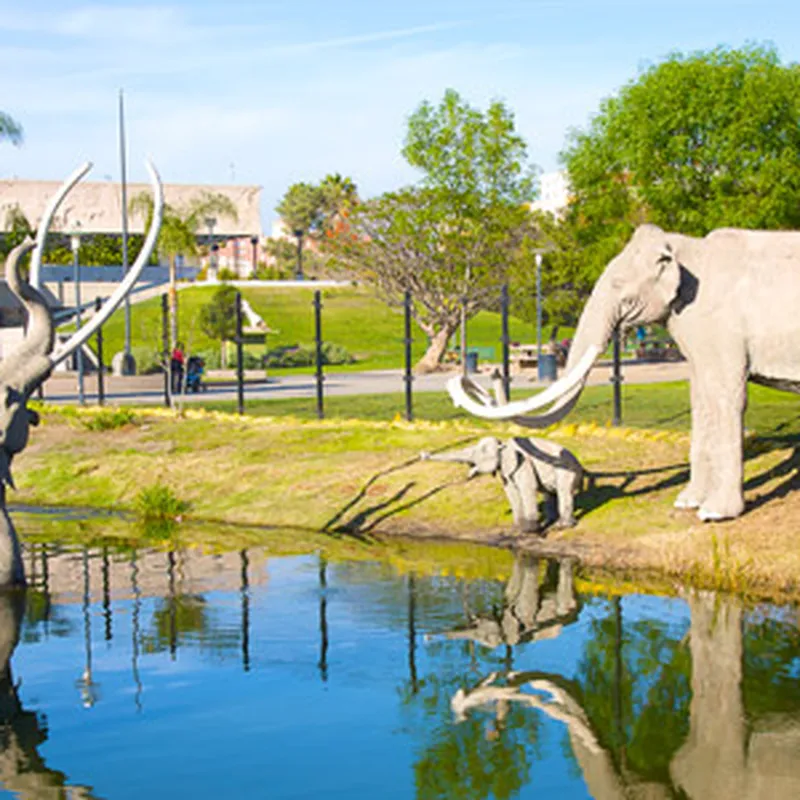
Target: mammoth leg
<point x="702" y="441"/>
<point x="521" y="485"/>
<point x="725" y="409"/>
<point x="565" y="491"/>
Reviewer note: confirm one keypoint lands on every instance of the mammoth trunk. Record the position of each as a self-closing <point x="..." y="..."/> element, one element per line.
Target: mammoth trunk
<point x="596" y="325"/>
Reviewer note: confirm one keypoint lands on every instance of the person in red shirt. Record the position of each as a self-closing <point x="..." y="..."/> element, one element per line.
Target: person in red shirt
<point x="176" y="369"/>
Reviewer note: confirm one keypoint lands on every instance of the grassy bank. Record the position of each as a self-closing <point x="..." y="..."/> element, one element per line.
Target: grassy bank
<point x="352" y="316"/>
<point x="357" y="479"/>
<point x="662" y="406"/>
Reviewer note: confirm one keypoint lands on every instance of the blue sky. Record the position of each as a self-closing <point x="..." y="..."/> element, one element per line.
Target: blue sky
<point x="271" y="93"/>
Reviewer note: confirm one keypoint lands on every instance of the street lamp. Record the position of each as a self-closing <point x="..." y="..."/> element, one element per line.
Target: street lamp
<point x="538" y="258"/>
<point x="254" y="242"/>
<point x="212" y="264"/>
<point x="75" y="244"/>
<point x="299" y="234"/>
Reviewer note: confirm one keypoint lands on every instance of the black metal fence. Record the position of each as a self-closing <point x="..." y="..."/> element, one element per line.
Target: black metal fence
<point x="170" y="389"/>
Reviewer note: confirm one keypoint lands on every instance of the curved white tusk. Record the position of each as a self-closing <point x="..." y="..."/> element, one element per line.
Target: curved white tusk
<point x="46" y="221"/>
<point x="81" y="336"/>
<point x="554" y="414"/>
<point x="464" y="395"/>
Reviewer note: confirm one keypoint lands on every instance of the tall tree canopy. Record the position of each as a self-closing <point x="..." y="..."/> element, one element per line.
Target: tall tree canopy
<point x="311" y="209"/>
<point x="448" y="240"/>
<point x="697" y="142"/>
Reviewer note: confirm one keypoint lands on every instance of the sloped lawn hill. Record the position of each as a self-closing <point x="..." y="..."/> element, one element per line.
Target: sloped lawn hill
<point x="352" y="316"/>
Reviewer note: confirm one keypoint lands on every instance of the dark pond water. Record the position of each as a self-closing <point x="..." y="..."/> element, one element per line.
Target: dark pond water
<point x="177" y="674"/>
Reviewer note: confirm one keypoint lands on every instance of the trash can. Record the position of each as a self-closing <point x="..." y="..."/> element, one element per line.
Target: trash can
<point x="547" y="367"/>
<point x="472" y="360"/>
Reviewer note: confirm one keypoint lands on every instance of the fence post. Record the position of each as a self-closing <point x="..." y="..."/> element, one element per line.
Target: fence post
<point x="101" y="393"/>
<point x="505" y="340"/>
<point x="616" y="380"/>
<point x="318" y="341"/>
<point x="165" y="349"/>
<point x="239" y="355"/>
<point x="408" y="341"/>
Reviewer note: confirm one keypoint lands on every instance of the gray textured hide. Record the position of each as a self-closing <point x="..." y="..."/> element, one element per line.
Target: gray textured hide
<point x="730" y="301"/>
<point x="526" y="466"/>
<point x="21" y="372"/>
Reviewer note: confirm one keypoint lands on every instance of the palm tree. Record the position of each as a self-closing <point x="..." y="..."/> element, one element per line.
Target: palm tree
<point x="10" y="129"/>
<point x="178" y="236"/>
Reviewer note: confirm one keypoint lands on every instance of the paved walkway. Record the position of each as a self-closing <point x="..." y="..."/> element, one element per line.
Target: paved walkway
<point x="149" y="389"/>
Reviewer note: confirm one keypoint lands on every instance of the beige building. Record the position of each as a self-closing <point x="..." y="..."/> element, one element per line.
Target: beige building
<point x="96" y="206"/>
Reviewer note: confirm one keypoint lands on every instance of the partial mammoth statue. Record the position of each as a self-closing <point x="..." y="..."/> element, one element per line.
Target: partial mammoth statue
<point x="730" y="303"/>
<point x="526" y="466"/>
<point x="25" y="368"/>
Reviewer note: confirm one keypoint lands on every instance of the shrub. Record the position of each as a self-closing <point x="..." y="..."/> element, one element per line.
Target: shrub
<point x="109" y="420"/>
<point x="270" y="273"/>
<point x="305" y="355"/>
<point x="158" y="503"/>
<point x="227" y="274"/>
<point x="289" y="356"/>
<point x="335" y="354"/>
<point x="148" y="360"/>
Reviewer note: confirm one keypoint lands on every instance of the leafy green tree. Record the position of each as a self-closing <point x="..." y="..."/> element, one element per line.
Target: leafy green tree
<point x="697" y="142"/>
<point x="10" y="129"/>
<point x="178" y="235"/>
<point x="449" y="240"/>
<point x="218" y="318"/>
<point x="564" y="279"/>
<point x="302" y="208"/>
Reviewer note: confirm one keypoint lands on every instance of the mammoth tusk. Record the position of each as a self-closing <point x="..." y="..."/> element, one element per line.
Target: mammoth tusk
<point x="468" y="395"/>
<point x="47" y="219"/>
<point x="81" y="336"/>
<point x="554" y="414"/>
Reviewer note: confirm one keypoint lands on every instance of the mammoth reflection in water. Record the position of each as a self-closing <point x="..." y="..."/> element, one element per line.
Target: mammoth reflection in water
<point x="539" y="599"/>
<point x="22" y="770"/>
<point x="725" y="754"/>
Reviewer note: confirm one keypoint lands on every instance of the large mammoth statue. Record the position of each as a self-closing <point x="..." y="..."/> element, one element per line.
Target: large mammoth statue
<point x="730" y="302"/>
<point x="24" y="369"/>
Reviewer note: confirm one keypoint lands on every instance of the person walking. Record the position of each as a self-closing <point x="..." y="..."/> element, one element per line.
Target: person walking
<point x="176" y="369"/>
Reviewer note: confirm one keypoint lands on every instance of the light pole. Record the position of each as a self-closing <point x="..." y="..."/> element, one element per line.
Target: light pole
<point x="75" y="244"/>
<point x="299" y="234"/>
<point x="212" y="265"/>
<point x="254" y="242"/>
<point x="538" y="258"/>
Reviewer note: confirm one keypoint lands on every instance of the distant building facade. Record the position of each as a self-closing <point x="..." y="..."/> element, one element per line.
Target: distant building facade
<point x="95" y="207"/>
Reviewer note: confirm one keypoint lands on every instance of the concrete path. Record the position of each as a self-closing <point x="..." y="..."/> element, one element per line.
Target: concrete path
<point x="149" y="389"/>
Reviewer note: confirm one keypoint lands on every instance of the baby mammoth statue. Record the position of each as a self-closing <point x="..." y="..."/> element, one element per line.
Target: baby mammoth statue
<point x="526" y="466"/>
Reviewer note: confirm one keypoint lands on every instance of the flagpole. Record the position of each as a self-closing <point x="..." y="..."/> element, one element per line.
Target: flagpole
<point x="128" y="367"/>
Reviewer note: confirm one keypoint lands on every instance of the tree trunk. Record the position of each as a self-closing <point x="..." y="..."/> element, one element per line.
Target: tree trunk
<point x="173" y="305"/>
<point x="223" y="359"/>
<point x="432" y="359"/>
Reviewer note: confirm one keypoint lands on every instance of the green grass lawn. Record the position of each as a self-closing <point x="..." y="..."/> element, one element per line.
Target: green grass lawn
<point x="352" y="316"/>
<point x="665" y="406"/>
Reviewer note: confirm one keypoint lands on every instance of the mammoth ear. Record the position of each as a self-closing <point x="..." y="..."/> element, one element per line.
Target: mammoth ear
<point x="668" y="274"/>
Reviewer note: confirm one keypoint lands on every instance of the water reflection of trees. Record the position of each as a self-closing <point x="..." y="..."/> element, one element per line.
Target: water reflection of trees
<point x="627" y="699"/>
<point x="651" y="712"/>
<point x="633" y="683"/>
